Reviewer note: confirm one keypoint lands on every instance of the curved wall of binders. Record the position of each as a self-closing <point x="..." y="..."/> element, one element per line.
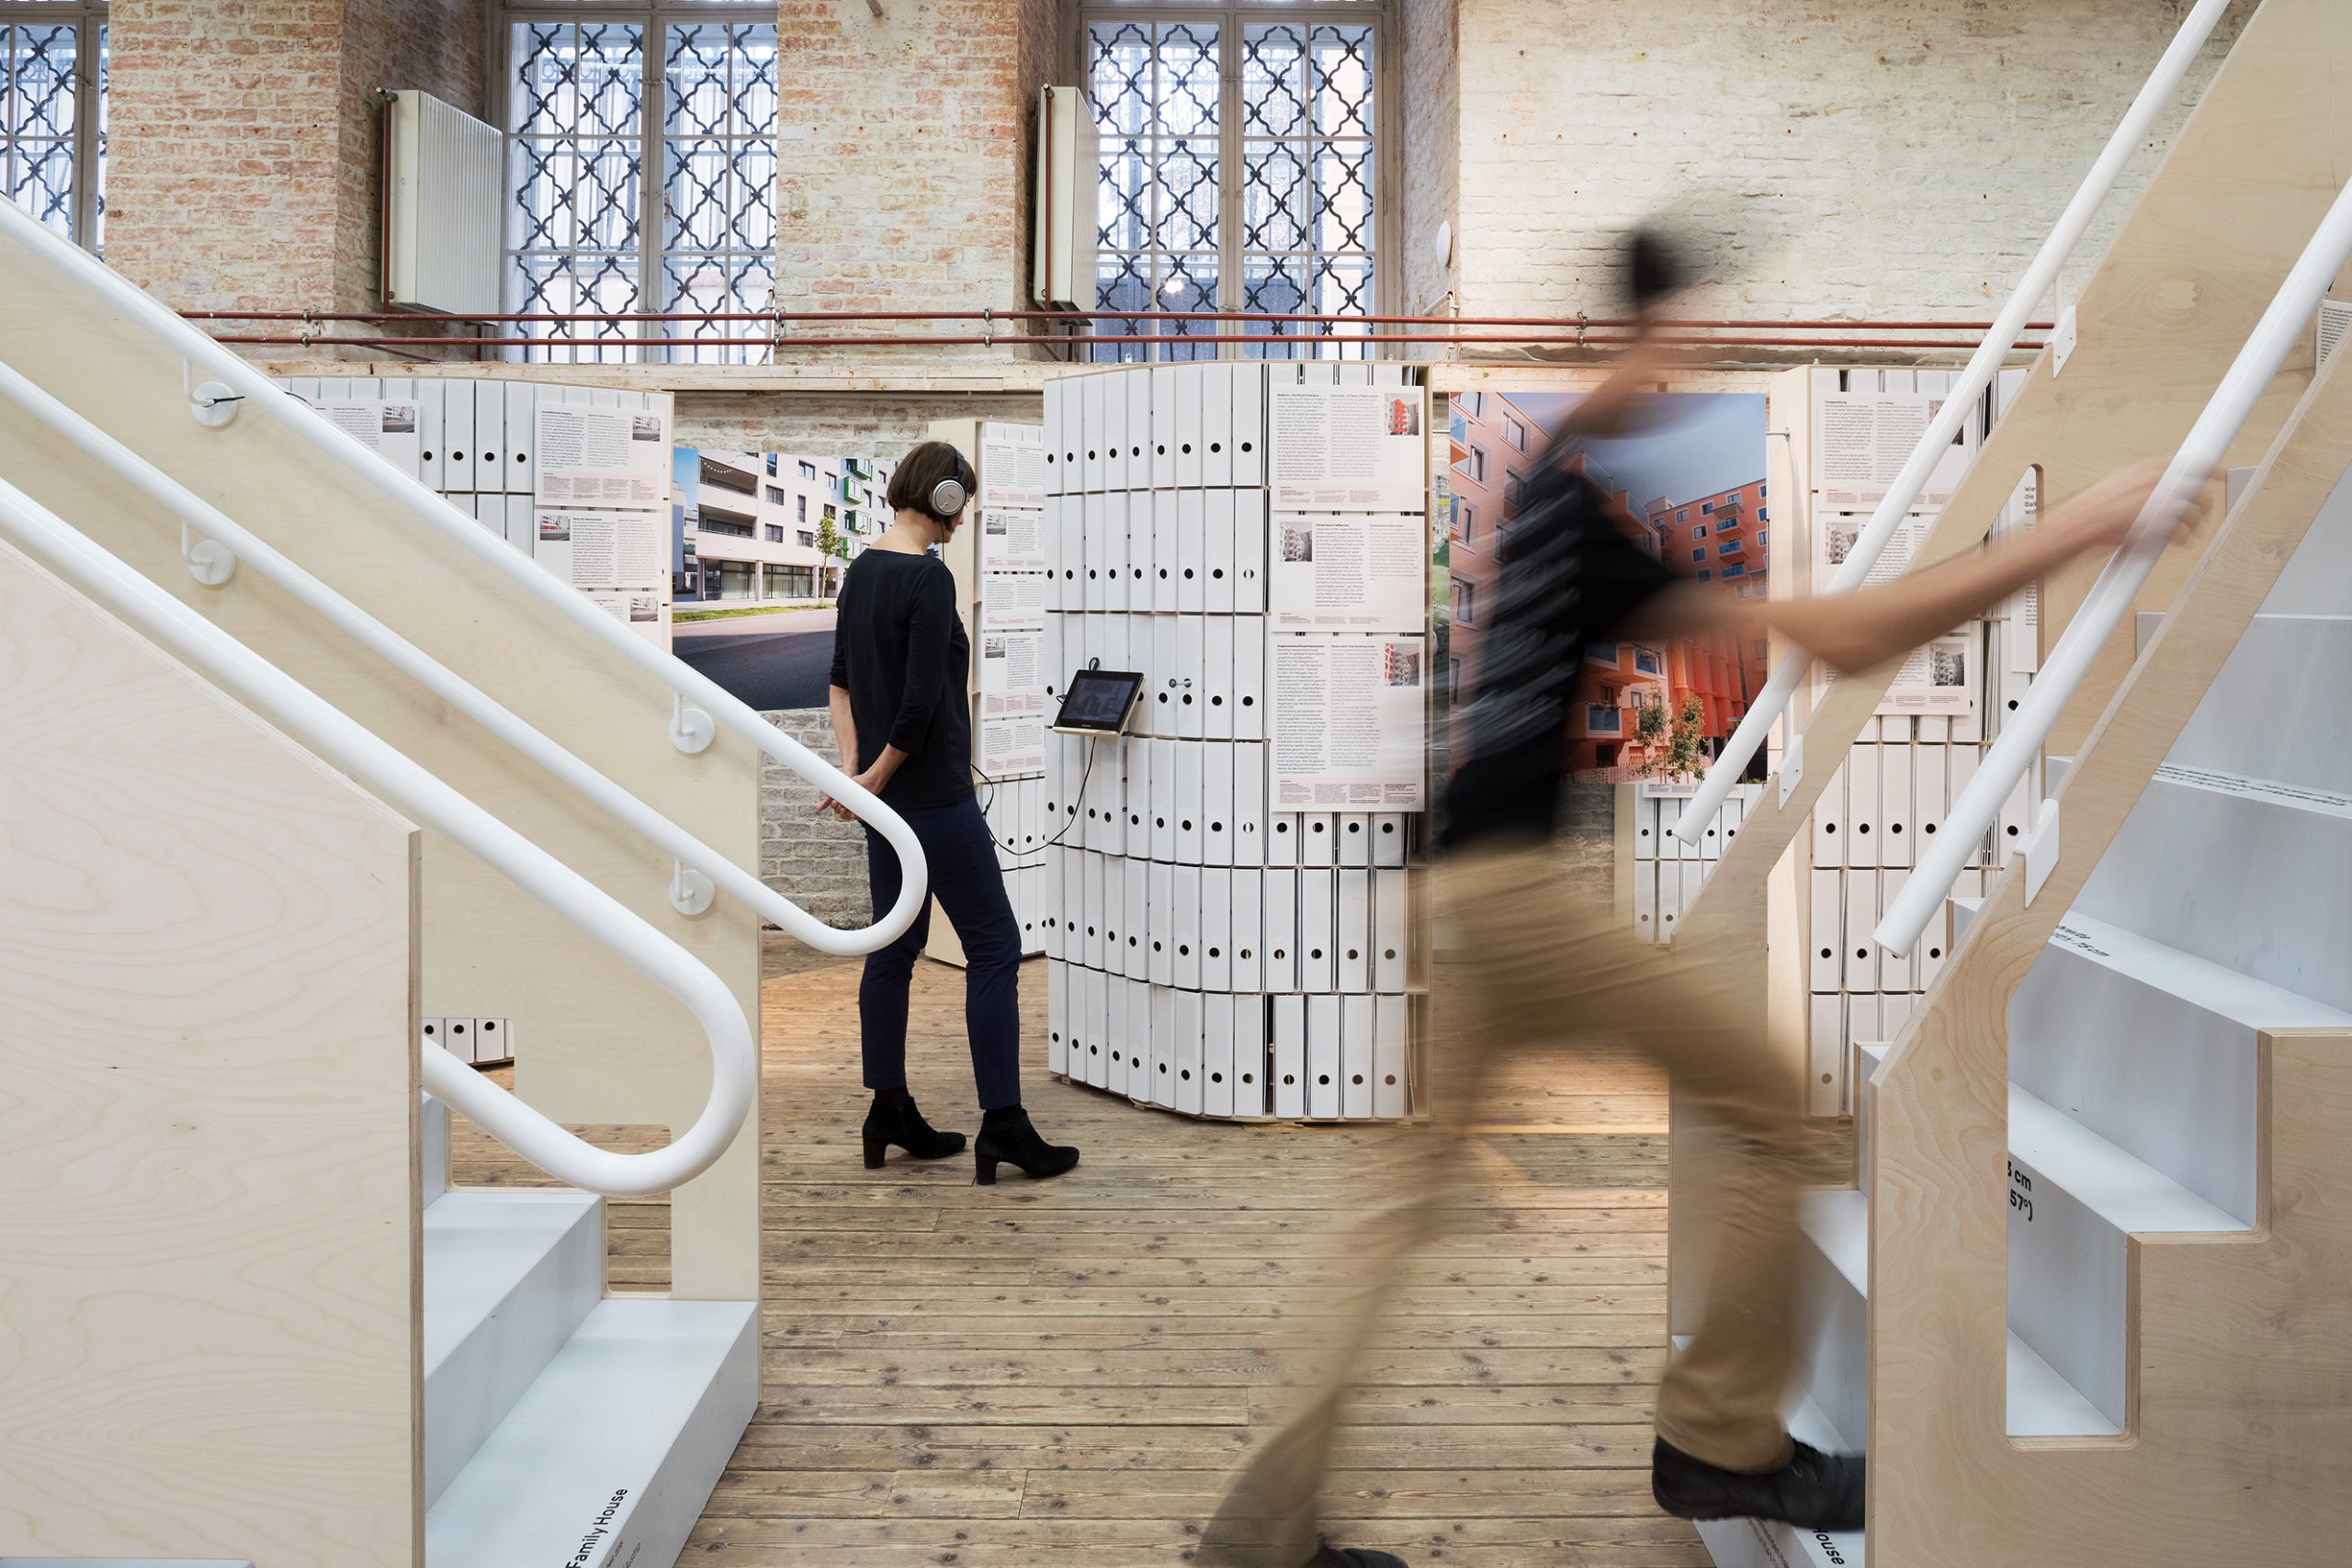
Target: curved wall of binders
<point x="1208" y="954"/>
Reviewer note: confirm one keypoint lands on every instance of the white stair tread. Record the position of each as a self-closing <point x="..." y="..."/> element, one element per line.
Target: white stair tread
<point x="610" y="1455"/>
<point x="2122" y="1190"/>
<point x="2270" y="792"/>
<point x="1756" y="1543"/>
<point x="479" y="1246"/>
<point x="2216" y="987"/>
<point x="2041" y="1402"/>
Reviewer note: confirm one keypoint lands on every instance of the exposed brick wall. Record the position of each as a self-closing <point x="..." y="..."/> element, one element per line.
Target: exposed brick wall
<point x="222" y="149"/>
<point x="432" y="46"/>
<point x="1432" y="151"/>
<point x="899" y="179"/>
<point x="1882" y="158"/>
<point x="817" y="862"/>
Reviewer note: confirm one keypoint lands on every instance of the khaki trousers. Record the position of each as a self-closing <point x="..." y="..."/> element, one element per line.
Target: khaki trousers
<point x="1534" y="969"/>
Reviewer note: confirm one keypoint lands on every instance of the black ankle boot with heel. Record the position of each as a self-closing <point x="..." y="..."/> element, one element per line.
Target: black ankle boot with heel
<point x="894" y="1120"/>
<point x="1006" y="1137"/>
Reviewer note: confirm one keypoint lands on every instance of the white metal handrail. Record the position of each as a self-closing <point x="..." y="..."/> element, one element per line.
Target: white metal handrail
<point x="2110" y="598"/>
<point x="404" y="656"/>
<point x="691" y="729"/>
<point x="406" y="785"/>
<point x="2154" y="99"/>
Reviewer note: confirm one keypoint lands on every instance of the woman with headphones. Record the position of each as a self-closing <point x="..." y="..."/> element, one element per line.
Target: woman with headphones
<point x="901" y="667"/>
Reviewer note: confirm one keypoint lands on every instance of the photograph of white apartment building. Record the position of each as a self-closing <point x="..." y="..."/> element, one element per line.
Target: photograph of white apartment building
<point x="769" y="527"/>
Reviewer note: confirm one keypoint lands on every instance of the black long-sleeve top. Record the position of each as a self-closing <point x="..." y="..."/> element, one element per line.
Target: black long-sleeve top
<point x="900" y="652"/>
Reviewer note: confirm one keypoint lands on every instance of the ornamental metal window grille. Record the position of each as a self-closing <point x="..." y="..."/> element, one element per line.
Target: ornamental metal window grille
<point x="641" y="171"/>
<point x="53" y="114"/>
<point x="1240" y="172"/>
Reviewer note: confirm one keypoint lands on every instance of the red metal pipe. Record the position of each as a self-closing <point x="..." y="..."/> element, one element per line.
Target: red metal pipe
<point x="1075" y="316"/>
<point x="1261" y="338"/>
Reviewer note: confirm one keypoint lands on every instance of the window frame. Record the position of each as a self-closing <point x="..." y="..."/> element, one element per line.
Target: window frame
<point x="655" y="16"/>
<point x="1230" y="17"/>
<point x="91" y="20"/>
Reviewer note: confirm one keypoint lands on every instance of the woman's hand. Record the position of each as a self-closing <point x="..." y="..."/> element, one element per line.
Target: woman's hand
<point x="2101" y="516"/>
<point x="871" y="781"/>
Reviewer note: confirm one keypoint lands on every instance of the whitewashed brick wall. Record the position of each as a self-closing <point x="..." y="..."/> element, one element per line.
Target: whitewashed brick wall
<point x="1884" y="158"/>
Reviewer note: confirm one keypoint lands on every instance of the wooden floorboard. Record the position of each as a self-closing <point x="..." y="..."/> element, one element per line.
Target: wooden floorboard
<point x="1062" y="1374"/>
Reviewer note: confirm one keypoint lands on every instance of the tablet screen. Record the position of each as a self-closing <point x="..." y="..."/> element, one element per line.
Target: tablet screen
<point x="1099" y="701"/>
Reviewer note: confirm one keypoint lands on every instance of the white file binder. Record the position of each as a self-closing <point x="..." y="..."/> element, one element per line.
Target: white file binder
<point x="1323" y="1072"/>
<point x="1216" y="549"/>
<point x="1192" y="466"/>
<point x="1734" y="815"/>
<point x="520" y="531"/>
<point x="1895" y="972"/>
<point x="1163" y="802"/>
<point x="1280" y="940"/>
<point x="1112" y="915"/>
<point x="1191" y="700"/>
<point x="1248" y="423"/>
<point x="489" y="439"/>
<point x="1167" y="676"/>
<point x="1073" y="910"/>
<point x="1248" y="931"/>
<point x="1895" y="794"/>
<point x="1216" y="803"/>
<point x="1135" y="889"/>
<point x="1647" y="812"/>
<point x="1392" y="935"/>
<point x="1216" y="928"/>
<point x="1116" y="507"/>
<point x="1646" y="912"/>
<point x="1353" y="829"/>
<point x="458" y="472"/>
<point x="1391" y="1053"/>
<point x="1091" y="420"/>
<point x="1862" y="834"/>
<point x="1136" y="385"/>
<point x="1163" y="426"/>
<point x="1118" y="1034"/>
<point x="1289" y="1055"/>
<point x="1138" y="796"/>
<point x="1249" y="1042"/>
<point x="1826" y="1057"/>
<point x="1166" y="543"/>
<point x="1160" y="930"/>
<point x="1352" y="934"/>
<point x="1960" y="768"/>
<point x="1190" y="1077"/>
<point x="1829" y="822"/>
<point x="1693" y="872"/>
<point x="433" y="442"/>
<point x="1317" y="839"/>
<point x="1184" y="920"/>
<point x="1217" y="676"/>
<point x="1359" y="1057"/>
<point x="1318" y="968"/>
<point x="1192" y="552"/>
<point x="1056" y="433"/>
<point x="1283" y="829"/>
<point x="1098" y="1027"/>
<point x="1189" y="812"/>
<point x="1249" y="803"/>
<point x="1864" y="1024"/>
<point x="1670" y="898"/>
<point x="1388" y="834"/>
<point x="1158" y="1086"/>
<point x="1895" y="1010"/>
<point x="1091" y="907"/>
<point x="1216" y="1055"/>
<point x="1136" y="1049"/>
<point x="1115" y="428"/>
<point x="1825" y="959"/>
<point x="1249" y="677"/>
<point x="1096" y="510"/>
<point x="1861" y="918"/>
<point x="1058" y="1018"/>
<point x="2009" y="828"/>
<point x="1250" y="552"/>
<point x="1216" y="425"/>
<point x="1069" y="558"/>
<point x="522" y="439"/>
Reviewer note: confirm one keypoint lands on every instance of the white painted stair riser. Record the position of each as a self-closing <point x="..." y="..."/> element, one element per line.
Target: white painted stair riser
<point x="2318" y="579"/>
<point x="2275" y="711"/>
<point x="2243" y="873"/>
<point x="509" y="1276"/>
<point x="433" y="1147"/>
<point x="608" y="1460"/>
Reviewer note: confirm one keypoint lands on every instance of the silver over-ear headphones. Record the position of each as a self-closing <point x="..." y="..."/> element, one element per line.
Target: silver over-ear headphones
<point x="949" y="496"/>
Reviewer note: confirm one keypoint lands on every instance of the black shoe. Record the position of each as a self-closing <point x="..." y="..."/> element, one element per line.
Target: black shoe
<point x="1813" y="1490"/>
<point x="896" y="1120"/>
<point x="1007" y="1137"/>
<point x="1352" y="1557"/>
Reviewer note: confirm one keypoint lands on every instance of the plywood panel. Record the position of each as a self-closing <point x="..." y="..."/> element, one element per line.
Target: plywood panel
<point x="208" y="1199"/>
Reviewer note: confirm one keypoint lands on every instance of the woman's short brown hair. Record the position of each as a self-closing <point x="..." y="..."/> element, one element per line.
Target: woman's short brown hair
<point x="919" y="473"/>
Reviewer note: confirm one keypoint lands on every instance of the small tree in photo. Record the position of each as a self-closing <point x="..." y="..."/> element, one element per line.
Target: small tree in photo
<point x="831" y="545"/>
<point x="1649" y="731"/>
<point x="1686" y="752"/>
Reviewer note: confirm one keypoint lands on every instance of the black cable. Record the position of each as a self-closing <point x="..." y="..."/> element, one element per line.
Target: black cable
<point x="1084" y="773"/>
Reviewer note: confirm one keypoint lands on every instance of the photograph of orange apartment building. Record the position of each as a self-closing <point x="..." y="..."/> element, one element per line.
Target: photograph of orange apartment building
<point x="1498" y="443"/>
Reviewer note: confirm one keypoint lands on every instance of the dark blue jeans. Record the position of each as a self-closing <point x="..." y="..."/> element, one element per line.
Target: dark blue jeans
<point x="970" y="888"/>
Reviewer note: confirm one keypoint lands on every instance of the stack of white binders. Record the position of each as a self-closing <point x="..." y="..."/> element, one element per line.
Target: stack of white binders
<point x="1209" y="955"/>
